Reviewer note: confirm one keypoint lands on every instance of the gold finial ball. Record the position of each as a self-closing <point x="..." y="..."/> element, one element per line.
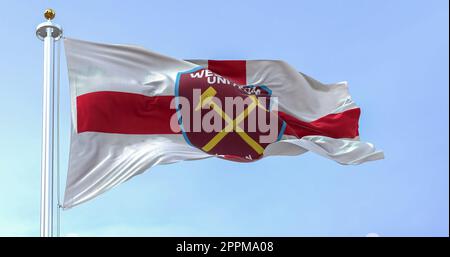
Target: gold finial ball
<point x="49" y="14"/>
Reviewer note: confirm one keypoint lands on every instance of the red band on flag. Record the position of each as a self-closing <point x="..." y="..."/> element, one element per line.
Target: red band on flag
<point x="336" y="125"/>
<point x="128" y="113"/>
<point x="124" y="113"/>
<point x="235" y="71"/>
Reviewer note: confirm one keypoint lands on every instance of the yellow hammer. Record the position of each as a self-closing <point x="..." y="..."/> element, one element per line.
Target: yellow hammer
<point x="206" y="98"/>
<point x="233" y="125"/>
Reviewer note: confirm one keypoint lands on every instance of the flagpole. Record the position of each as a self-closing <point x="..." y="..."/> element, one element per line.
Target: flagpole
<point x="49" y="33"/>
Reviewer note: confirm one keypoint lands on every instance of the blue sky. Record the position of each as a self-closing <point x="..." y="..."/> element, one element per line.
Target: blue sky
<point x="395" y="55"/>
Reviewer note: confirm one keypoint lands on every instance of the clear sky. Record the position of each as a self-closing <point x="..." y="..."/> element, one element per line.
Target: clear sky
<point x="395" y="55"/>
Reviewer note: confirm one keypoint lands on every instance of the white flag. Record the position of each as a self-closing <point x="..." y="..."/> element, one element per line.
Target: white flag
<point x="133" y="109"/>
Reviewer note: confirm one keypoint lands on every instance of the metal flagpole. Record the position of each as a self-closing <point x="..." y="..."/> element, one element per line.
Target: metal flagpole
<point x="49" y="33"/>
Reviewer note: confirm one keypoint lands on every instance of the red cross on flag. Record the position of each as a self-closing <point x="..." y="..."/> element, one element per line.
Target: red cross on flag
<point x="133" y="109"/>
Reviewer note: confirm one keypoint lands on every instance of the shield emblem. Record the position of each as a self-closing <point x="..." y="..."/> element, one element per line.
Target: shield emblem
<point x="223" y="118"/>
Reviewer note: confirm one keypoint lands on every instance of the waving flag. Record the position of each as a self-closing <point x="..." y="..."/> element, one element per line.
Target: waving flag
<point x="133" y="109"/>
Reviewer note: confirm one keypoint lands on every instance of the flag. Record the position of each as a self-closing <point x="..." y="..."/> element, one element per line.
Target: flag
<point x="133" y="109"/>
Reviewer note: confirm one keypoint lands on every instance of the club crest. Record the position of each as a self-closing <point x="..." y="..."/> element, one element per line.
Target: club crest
<point x="223" y="118"/>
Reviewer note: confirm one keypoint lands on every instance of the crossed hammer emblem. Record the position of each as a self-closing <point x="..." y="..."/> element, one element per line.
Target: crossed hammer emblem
<point x="206" y="99"/>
